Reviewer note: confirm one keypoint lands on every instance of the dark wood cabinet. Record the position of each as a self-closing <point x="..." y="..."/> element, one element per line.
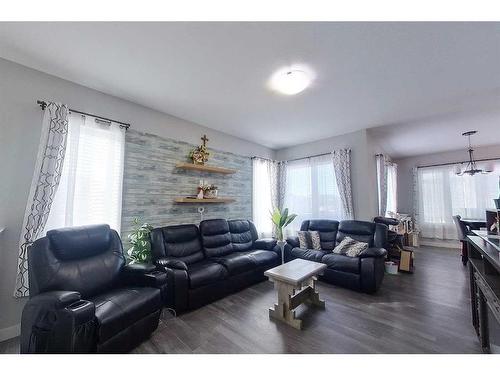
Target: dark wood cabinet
<point x="484" y="271"/>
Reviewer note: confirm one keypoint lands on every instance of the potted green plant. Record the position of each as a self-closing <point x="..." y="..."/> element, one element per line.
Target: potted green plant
<point x="140" y="244"/>
<point x="281" y="219"/>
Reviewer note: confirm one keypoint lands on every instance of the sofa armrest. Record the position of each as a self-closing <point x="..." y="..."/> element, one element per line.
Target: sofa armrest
<point x="373" y="252"/>
<point x="265" y="244"/>
<point x="293" y="241"/>
<point x="56" y="299"/>
<point x="145" y="275"/>
<point x="172" y="263"/>
<point x="58" y="322"/>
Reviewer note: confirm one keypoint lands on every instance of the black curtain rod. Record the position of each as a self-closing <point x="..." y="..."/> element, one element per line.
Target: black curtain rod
<point x="311" y="156"/>
<point x="305" y="157"/>
<point x="457" y="162"/>
<point x="282" y="161"/>
<point x="43" y="104"/>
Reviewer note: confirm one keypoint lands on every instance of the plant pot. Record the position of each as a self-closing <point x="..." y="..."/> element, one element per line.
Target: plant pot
<point x="210" y="194"/>
<point x="281" y="244"/>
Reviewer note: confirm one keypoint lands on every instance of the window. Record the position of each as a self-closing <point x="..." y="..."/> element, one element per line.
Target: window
<point x="262" y="196"/>
<point x="90" y="189"/>
<point x="442" y="194"/>
<point x="311" y="190"/>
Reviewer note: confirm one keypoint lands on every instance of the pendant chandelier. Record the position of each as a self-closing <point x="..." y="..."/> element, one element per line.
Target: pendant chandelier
<point x="471" y="169"/>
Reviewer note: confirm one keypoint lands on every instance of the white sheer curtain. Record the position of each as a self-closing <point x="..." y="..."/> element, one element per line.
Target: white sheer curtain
<point x="392" y="188"/>
<point x="262" y="196"/>
<point x="311" y="191"/>
<point x="442" y="194"/>
<point x="90" y="190"/>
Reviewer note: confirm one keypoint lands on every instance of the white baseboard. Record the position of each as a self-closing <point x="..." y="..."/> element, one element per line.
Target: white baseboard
<point x="10" y="332"/>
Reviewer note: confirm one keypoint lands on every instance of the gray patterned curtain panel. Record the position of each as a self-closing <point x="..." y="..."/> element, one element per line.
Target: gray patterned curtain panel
<point x="342" y="167"/>
<point x="44" y="184"/>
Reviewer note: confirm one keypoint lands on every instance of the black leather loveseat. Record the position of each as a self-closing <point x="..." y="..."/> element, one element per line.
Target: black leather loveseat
<point x="363" y="273"/>
<point x="83" y="298"/>
<point x="209" y="262"/>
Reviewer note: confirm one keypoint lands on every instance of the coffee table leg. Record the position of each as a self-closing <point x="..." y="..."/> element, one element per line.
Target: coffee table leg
<point x="314" y="298"/>
<point x="281" y="310"/>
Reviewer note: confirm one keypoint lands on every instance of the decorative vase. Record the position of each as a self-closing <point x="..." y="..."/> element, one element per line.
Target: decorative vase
<point x="281" y="244"/>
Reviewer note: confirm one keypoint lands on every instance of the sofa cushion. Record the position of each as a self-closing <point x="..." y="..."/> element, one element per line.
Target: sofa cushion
<point x="118" y="309"/>
<point x="308" y="254"/>
<point x="327" y="231"/>
<point x="243" y="234"/>
<point x="236" y="263"/>
<point x="180" y="241"/>
<point x="363" y="231"/>
<point x="204" y="273"/>
<point x="343" y="263"/>
<point x="80" y="242"/>
<point x="263" y="258"/>
<point x="216" y="238"/>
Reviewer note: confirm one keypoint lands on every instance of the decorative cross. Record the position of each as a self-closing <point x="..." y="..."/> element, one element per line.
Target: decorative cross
<point x="204" y="139"/>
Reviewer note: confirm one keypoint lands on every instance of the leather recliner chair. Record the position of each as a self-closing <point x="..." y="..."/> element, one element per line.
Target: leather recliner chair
<point x="364" y="272"/>
<point x="206" y="263"/>
<point x="84" y="298"/>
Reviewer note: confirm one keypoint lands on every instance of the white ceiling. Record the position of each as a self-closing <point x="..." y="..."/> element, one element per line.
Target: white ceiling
<point x="215" y="74"/>
<point x="439" y="133"/>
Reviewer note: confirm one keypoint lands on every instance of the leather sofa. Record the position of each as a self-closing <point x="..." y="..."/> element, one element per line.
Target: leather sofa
<point x="363" y="273"/>
<point x="83" y="296"/>
<point x="208" y="262"/>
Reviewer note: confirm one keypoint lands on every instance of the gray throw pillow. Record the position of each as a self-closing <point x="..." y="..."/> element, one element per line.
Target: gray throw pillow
<point x="350" y="247"/>
<point x="356" y="248"/>
<point x="304" y="240"/>
<point x="315" y="239"/>
<point x="343" y="246"/>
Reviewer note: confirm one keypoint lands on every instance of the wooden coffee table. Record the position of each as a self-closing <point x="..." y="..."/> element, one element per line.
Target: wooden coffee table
<point x="295" y="282"/>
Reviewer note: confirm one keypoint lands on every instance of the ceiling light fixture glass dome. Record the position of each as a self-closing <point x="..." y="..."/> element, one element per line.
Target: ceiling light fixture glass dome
<point x="290" y="81"/>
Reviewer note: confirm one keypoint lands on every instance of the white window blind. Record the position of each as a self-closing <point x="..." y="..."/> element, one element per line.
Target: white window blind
<point x="90" y="190"/>
<point x="311" y="191"/>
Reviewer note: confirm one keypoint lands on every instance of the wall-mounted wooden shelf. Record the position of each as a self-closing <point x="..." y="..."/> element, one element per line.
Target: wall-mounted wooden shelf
<point x="206" y="200"/>
<point x="205" y="168"/>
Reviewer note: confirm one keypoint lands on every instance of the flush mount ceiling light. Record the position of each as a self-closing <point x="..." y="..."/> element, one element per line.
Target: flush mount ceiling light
<point x="290" y="81"/>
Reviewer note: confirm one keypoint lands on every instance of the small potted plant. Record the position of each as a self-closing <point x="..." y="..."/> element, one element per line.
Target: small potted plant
<point x="281" y="219"/>
<point x="210" y="191"/>
<point x="140" y="244"/>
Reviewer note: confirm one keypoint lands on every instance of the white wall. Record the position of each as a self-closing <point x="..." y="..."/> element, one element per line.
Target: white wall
<point x="363" y="172"/>
<point x="405" y="166"/>
<point x="20" y="120"/>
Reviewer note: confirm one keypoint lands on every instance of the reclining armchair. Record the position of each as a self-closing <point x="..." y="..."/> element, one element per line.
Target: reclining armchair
<point x="84" y="298"/>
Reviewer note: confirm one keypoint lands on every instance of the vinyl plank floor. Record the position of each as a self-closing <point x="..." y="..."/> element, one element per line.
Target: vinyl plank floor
<point x="424" y="312"/>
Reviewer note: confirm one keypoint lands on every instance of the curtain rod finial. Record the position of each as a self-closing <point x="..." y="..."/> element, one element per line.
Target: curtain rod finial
<point x="42" y="104"/>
